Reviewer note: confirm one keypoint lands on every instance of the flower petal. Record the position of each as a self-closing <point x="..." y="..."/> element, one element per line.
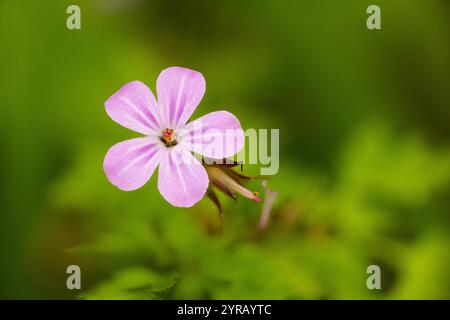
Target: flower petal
<point x="130" y="164"/>
<point x="134" y="107"/>
<point x="182" y="180"/>
<point x="216" y="135"/>
<point x="179" y="90"/>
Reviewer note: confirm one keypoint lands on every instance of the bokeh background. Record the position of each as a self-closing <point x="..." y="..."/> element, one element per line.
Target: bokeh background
<point x="364" y="150"/>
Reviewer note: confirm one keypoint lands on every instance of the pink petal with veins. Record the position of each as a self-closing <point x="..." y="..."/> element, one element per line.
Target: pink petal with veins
<point x="216" y="135"/>
<point x="130" y="164"/>
<point x="182" y="180"/>
<point x="134" y="107"/>
<point x="179" y="91"/>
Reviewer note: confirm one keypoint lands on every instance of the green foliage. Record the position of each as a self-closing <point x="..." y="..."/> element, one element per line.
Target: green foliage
<point x="132" y="283"/>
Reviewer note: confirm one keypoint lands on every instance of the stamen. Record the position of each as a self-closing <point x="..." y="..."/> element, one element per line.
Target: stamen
<point x="169" y="137"/>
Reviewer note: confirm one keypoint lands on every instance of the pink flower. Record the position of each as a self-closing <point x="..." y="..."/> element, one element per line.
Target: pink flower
<point x="169" y="140"/>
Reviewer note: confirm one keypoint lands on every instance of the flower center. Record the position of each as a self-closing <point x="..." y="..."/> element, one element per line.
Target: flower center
<point x="169" y="137"/>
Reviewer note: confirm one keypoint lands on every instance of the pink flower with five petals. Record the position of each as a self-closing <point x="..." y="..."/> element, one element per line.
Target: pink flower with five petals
<point x="169" y="140"/>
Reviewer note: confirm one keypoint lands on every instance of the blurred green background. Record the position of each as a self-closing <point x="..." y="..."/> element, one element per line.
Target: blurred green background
<point x="364" y="150"/>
